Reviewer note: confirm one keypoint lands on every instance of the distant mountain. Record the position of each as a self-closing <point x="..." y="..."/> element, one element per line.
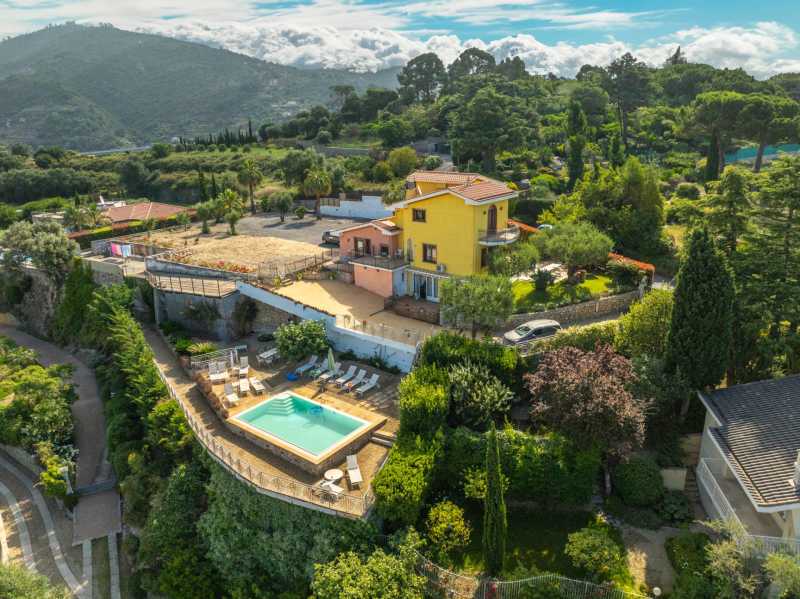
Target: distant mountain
<point x="92" y="88"/>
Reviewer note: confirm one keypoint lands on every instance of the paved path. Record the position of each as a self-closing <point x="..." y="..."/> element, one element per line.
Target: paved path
<point x="22" y="530"/>
<point x="90" y="437"/>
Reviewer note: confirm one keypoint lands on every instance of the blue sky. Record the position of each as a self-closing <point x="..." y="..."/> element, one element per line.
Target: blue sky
<point x="367" y="34"/>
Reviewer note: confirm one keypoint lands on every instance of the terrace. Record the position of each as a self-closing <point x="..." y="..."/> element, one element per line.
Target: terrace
<point x="268" y="473"/>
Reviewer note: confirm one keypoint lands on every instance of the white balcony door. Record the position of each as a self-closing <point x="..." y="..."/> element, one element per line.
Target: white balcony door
<point x="426" y="287"/>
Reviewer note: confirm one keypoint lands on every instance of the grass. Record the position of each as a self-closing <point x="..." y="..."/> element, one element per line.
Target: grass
<point x="527" y="298"/>
<point x="536" y="541"/>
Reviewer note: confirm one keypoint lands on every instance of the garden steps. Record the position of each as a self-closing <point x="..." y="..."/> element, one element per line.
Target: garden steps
<point x="381" y="441"/>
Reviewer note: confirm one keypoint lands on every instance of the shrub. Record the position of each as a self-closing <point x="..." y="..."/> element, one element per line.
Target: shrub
<point x="403" y="484"/>
<point x="682" y="212"/>
<point x="381" y="172"/>
<point x="542" y="280"/>
<point x="594" y="550"/>
<point x="688" y="191"/>
<point x="324" y="137"/>
<point x="299" y="212"/>
<point x="182" y="345"/>
<point x="299" y="340"/>
<point x="584" y="338"/>
<point x="674" y="508"/>
<point x="640" y="517"/>
<point x="423" y="401"/>
<point x="624" y="274"/>
<point x="476" y="396"/>
<point x="202" y="347"/>
<point x="447" y="529"/>
<point x="432" y="162"/>
<point x="402" y="161"/>
<point x="687" y="552"/>
<point x="638" y="482"/>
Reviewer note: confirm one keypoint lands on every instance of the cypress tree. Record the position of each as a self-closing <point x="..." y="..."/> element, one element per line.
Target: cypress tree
<point x="214" y="188"/>
<point x="494" y="516"/>
<point x="700" y="335"/>
<point x="712" y="159"/>
<point x="575" y="165"/>
<point x="201" y="183"/>
<point x="616" y="154"/>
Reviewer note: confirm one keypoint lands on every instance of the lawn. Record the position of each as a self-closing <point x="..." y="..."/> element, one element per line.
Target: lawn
<point x="528" y="299"/>
<point x="536" y="541"/>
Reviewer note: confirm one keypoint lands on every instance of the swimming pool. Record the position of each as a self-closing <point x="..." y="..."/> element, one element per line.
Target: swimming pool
<point x="303" y="423"/>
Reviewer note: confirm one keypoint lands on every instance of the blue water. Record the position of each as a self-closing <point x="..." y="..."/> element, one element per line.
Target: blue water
<point x="303" y="423"/>
<point x="749" y="153"/>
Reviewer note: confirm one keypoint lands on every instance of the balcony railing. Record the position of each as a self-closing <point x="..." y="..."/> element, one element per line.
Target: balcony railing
<point x="396" y="260"/>
<point x="498" y="236"/>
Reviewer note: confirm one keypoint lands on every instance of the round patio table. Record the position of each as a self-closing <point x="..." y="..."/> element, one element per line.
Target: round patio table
<point x="333" y="474"/>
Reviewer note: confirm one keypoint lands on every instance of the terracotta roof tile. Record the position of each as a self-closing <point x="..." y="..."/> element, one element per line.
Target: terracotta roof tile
<point x="445" y="177"/>
<point x="484" y="190"/>
<point x="142" y="211"/>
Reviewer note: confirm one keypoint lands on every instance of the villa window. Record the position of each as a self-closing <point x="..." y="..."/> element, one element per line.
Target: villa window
<point x="429" y="253"/>
<point x="384" y="250"/>
<point x="418" y="215"/>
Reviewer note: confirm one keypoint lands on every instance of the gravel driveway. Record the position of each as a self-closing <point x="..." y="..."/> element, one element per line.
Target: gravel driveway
<point x="308" y="229"/>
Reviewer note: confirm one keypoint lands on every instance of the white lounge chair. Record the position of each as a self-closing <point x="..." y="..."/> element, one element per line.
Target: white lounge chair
<point x="332" y="488"/>
<point x="268" y="357"/>
<point x="353" y="471"/>
<point x="372" y="382"/>
<point x="244" y="366"/>
<point x="230" y="395"/>
<point x="258" y="387"/>
<point x="217" y="372"/>
<point x="307" y="366"/>
<point x="326" y="376"/>
<point x="351" y="372"/>
<point x="244" y="385"/>
<point x="349" y="386"/>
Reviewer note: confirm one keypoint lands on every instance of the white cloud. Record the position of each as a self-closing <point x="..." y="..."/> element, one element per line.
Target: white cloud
<point x="761" y="49"/>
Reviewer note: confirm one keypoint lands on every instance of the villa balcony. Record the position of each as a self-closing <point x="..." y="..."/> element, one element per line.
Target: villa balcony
<point x="389" y="262"/>
<point x="497" y="237"/>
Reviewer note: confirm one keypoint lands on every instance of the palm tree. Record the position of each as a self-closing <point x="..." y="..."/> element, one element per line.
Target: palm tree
<point x="230" y="200"/>
<point x="233" y="217"/>
<point x="149" y="224"/>
<point x="205" y="211"/>
<point x="75" y="217"/>
<point x="251" y="176"/>
<point x="317" y="184"/>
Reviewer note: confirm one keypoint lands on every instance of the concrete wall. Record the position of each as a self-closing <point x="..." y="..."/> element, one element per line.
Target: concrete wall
<point x="579" y="312"/>
<point x="363" y="345"/>
<point x="370" y="207"/>
<point x="189" y="270"/>
<point x="171" y="306"/>
<point x="376" y="280"/>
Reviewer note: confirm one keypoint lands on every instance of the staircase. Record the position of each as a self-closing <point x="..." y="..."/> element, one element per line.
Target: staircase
<point x="383" y="438"/>
<point x="281" y="406"/>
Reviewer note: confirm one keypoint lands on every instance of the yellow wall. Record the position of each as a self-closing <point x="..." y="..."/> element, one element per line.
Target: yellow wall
<point x="452" y="226"/>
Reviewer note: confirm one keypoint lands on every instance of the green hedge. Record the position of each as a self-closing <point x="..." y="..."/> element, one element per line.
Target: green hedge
<point x="584" y="338"/>
<point x="404" y="483"/>
<point x="687" y="552"/>
<point x="638" y="482"/>
<point x="546" y="469"/>
<point x="423" y="401"/>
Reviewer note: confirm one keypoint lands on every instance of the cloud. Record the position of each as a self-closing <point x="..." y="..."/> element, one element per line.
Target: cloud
<point x="761" y="49"/>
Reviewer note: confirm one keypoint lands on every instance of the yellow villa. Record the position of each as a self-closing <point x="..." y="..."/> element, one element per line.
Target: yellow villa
<point x="446" y="225"/>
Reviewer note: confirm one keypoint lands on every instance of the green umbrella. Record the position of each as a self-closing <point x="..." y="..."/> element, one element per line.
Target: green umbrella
<point x="331" y="361"/>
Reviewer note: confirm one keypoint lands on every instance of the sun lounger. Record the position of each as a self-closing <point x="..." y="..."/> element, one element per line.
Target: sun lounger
<point x="337" y="370"/>
<point x="268" y="357"/>
<point x="244" y="367"/>
<point x="353" y="471"/>
<point x="217" y="372"/>
<point x="230" y="395"/>
<point x="307" y="366"/>
<point x="372" y="382"/>
<point x="351" y="372"/>
<point x="349" y="386"/>
<point x="244" y="386"/>
<point x="332" y="488"/>
<point x="258" y="387"/>
<point x="319" y="370"/>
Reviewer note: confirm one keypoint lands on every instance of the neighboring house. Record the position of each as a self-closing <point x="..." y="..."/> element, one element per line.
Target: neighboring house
<point x="749" y="466"/>
<point x="446" y="225"/>
<point x="141" y="211"/>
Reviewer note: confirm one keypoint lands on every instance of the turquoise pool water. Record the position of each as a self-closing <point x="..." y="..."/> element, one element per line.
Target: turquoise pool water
<point x="304" y="423"/>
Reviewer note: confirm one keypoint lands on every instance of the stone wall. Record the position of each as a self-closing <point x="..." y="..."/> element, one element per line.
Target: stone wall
<point x="39" y="304"/>
<point x="171" y="306"/>
<point x="576" y="313"/>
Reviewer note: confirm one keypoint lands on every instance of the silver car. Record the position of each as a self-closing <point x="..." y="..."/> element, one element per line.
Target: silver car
<point x="533" y="330"/>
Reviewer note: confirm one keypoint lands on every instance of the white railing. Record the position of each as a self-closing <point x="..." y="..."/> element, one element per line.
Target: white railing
<point x="377" y="329"/>
<point x="763" y="545"/>
<point x="230" y="355"/>
<point x="284" y="488"/>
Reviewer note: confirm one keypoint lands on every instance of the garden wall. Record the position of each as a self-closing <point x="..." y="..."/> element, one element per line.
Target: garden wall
<point x="368" y="207"/>
<point x="614" y="304"/>
<point x="171" y="306"/>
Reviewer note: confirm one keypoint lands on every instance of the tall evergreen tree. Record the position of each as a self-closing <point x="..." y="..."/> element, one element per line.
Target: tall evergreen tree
<point x="727" y="218"/>
<point x="616" y="153"/>
<point x="201" y="183"/>
<point x="700" y="335"/>
<point x="214" y="188"/>
<point x="575" y="164"/>
<point x="712" y="159"/>
<point x="495" y="524"/>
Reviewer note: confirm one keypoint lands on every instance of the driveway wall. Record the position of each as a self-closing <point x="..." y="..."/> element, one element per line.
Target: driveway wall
<point x="370" y="207"/>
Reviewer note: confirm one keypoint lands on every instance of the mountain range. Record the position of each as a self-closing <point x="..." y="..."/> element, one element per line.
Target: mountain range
<point x="97" y="87"/>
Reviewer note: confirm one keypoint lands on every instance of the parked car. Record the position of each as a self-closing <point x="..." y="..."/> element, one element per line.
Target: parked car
<point x="533" y="330"/>
<point x="332" y="237"/>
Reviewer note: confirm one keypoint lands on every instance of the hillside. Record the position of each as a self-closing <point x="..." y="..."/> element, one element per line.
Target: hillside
<point x="99" y="87"/>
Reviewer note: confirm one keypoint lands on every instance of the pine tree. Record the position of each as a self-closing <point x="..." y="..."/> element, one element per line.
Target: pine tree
<point x="700" y="335"/>
<point x="495" y="524"/>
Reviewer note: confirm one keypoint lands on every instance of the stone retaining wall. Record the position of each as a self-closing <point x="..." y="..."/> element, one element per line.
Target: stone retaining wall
<point x="566" y="315"/>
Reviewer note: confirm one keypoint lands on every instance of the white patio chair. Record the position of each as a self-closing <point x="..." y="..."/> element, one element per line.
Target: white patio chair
<point x="244" y="386"/>
<point x="351" y="372"/>
<point x="268" y="357"/>
<point x="217" y="372"/>
<point x="244" y="366"/>
<point x="332" y="488"/>
<point x="258" y="387"/>
<point x="337" y="370"/>
<point x="349" y="386"/>
<point x="307" y="366"/>
<point x="353" y="471"/>
<point x="230" y="395"/>
<point x="372" y="382"/>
